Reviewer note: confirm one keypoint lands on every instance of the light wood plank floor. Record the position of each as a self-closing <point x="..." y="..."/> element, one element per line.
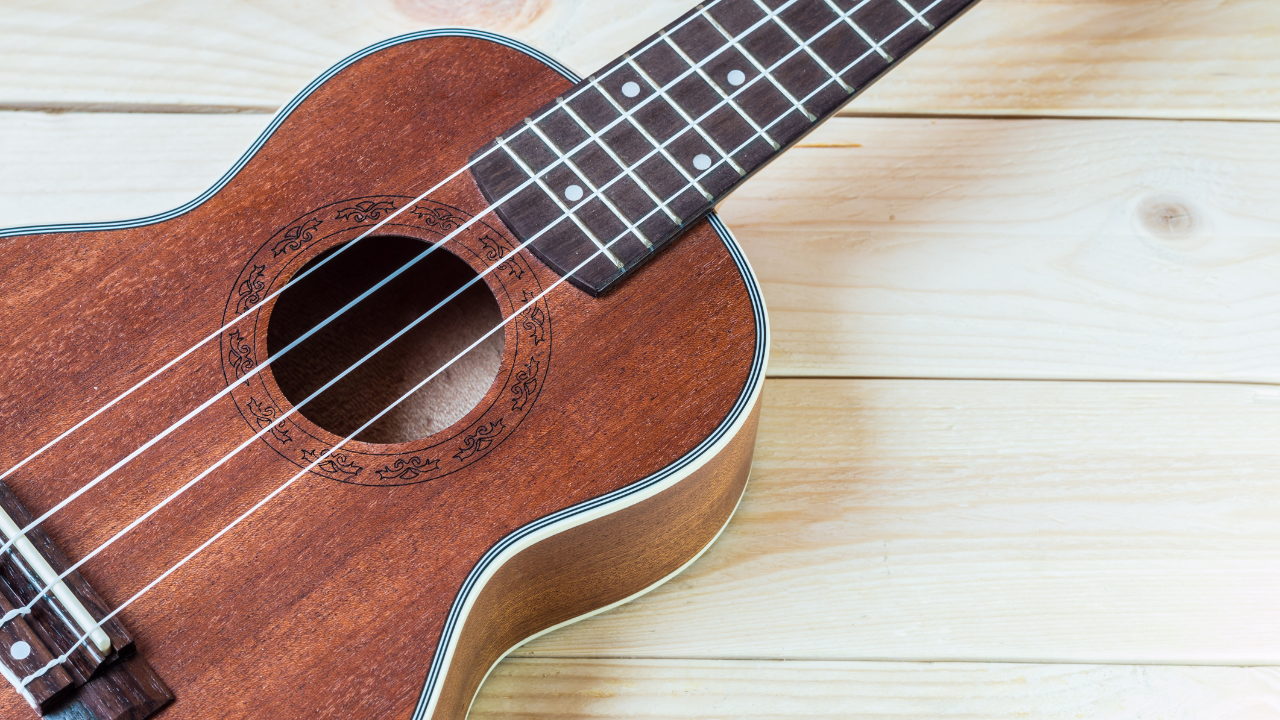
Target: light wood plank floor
<point x="1020" y="449"/>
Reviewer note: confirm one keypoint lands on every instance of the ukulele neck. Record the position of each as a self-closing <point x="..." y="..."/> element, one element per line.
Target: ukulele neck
<point x="602" y="178"/>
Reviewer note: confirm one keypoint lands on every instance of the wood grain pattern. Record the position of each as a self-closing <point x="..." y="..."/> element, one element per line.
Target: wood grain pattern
<point x="1136" y="58"/>
<point x="897" y="247"/>
<point x="984" y="521"/>
<point x="527" y="689"/>
<point x="331" y="598"/>
<point x="1083" y="58"/>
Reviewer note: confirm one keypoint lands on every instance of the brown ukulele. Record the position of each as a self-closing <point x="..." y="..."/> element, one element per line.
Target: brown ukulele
<point x="455" y="354"/>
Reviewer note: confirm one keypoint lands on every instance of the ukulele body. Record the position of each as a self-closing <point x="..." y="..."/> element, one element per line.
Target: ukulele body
<point x="385" y="582"/>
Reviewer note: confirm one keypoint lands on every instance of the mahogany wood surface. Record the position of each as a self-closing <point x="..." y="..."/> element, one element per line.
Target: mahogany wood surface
<point x="330" y="600"/>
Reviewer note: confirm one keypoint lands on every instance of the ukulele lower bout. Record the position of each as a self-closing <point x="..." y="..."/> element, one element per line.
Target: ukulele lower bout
<point x="609" y="451"/>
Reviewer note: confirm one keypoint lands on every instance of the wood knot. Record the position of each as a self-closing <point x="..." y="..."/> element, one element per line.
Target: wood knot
<point x="1172" y="218"/>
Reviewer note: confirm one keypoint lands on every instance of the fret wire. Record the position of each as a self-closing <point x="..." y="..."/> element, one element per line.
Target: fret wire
<point x="849" y="67"/>
<point x="676" y="106"/>
<point x="919" y="18"/>
<point x="732" y="103"/>
<point x="787" y="29"/>
<point x="660" y="147"/>
<point x="752" y="59"/>
<point x="765" y="73"/>
<point x="556" y="198"/>
<point x="583" y="177"/>
<point x="887" y="38"/>
<point x="862" y="33"/>
<point x="781" y="60"/>
<point x="614" y="156"/>
<point x="498" y="142"/>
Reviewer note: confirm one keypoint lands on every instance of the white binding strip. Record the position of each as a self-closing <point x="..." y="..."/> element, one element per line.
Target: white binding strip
<point x="284" y="416"/>
<point x="625" y="115"/>
<point x="619" y="500"/>
<point x="698" y="555"/>
<point x="271" y="128"/>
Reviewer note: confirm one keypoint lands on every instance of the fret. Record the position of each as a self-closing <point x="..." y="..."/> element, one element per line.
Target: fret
<point x="725" y="97"/>
<point x="640" y="183"/>
<point x="697" y="128"/>
<point x="559" y="204"/>
<point x="811" y="19"/>
<point x="604" y="199"/>
<point x="760" y="68"/>
<point x="640" y="128"/>
<point x="915" y="14"/>
<point x="887" y="24"/>
<point x="844" y="15"/>
<point x="944" y="11"/>
<point x="621" y="164"/>
<point x="847" y="48"/>
<point x="805" y="72"/>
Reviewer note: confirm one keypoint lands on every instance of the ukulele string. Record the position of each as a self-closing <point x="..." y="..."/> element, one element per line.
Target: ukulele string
<point x="404" y="268"/>
<point x="420" y="385"/>
<point x="498" y="263"/>
<point x="301" y="473"/>
<point x="298" y="278"/>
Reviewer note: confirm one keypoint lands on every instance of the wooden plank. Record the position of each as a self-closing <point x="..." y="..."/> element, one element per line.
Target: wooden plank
<point x="1002" y="521"/>
<point x="74" y="167"/>
<point x="1134" y="58"/>
<point x="529" y="689"/>
<point x="1015" y="249"/>
<point x="887" y="247"/>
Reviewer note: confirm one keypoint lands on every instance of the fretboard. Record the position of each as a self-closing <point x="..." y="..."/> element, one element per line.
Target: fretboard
<point x="602" y="178"/>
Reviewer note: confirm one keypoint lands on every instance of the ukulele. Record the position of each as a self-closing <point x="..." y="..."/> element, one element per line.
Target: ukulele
<point x="456" y="353"/>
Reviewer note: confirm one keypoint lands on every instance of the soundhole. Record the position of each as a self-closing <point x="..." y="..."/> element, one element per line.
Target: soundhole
<point x="396" y="369"/>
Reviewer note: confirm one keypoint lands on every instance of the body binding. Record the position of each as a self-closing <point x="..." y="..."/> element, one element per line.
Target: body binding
<point x="356" y="599"/>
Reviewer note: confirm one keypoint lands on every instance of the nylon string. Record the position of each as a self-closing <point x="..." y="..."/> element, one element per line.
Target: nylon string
<point x="421" y="384"/>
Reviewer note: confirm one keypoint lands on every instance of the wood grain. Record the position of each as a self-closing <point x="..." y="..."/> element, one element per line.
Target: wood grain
<point x="1043" y="249"/>
<point x="984" y="521"/>
<point x="330" y="600"/>
<point x="1167" y="527"/>
<point x="1136" y="58"/>
<point x="888" y="247"/>
<point x="761" y="690"/>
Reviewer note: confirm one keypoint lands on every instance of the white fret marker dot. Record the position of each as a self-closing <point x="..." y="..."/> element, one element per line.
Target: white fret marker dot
<point x="573" y="193"/>
<point x="701" y="162"/>
<point x="737" y="77"/>
<point x="20" y="650"/>
<point x="630" y="89"/>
